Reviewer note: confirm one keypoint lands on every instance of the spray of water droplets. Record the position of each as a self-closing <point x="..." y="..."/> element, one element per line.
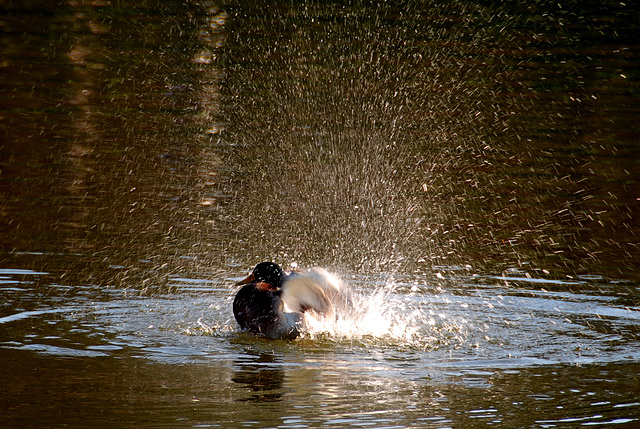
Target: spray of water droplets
<point x="384" y="316"/>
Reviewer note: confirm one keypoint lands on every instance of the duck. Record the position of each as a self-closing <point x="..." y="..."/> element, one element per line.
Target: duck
<point x="272" y="303"/>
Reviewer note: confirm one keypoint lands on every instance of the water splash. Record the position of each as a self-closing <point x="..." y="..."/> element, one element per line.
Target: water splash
<point x="388" y="317"/>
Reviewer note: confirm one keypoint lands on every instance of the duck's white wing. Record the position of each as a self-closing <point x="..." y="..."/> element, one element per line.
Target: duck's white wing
<point x="315" y="289"/>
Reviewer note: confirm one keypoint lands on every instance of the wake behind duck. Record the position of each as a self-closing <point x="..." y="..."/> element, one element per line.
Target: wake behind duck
<point x="274" y="304"/>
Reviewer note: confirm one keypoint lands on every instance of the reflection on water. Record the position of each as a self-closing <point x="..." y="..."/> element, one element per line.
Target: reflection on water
<point x="469" y="169"/>
<point x="481" y="349"/>
<point x="114" y="149"/>
<point x="260" y="376"/>
<point x="459" y="321"/>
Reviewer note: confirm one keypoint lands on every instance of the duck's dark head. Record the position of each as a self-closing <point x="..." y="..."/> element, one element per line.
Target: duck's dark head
<point x="266" y="272"/>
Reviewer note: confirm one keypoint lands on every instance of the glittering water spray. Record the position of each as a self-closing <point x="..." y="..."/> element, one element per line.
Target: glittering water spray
<point x="385" y="316"/>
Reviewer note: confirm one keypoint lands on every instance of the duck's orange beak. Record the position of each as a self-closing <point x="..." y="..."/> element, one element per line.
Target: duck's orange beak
<point x="249" y="279"/>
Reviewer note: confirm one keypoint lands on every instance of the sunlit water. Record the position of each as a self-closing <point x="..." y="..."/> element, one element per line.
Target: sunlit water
<point x="476" y="321"/>
<point x="469" y="170"/>
<point x="420" y="352"/>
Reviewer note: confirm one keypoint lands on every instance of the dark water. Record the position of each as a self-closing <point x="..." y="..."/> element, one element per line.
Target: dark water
<point x="470" y="170"/>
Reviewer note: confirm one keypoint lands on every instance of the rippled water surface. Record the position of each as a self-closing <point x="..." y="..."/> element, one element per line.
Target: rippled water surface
<point x="454" y="350"/>
<point x="471" y="172"/>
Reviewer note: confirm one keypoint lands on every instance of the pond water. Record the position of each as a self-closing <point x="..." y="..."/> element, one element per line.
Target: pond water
<point x="469" y="169"/>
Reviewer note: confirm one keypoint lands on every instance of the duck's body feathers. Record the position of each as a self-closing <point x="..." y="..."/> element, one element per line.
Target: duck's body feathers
<point x="276" y="310"/>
